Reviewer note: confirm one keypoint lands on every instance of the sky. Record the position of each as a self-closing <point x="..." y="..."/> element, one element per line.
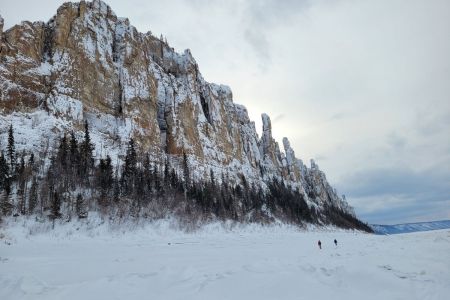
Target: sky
<point x="362" y="87"/>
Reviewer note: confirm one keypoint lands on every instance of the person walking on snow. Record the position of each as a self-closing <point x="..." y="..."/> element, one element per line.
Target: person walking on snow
<point x="320" y="244"/>
<point x="335" y="242"/>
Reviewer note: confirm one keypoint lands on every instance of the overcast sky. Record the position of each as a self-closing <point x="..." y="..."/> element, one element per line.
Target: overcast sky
<point x="363" y="87"/>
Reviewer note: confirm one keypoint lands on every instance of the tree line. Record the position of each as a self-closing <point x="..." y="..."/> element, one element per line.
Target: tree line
<point x="71" y="184"/>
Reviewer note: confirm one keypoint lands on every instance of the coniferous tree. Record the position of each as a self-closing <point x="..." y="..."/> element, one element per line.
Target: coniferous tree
<point x="22" y="200"/>
<point x="74" y="154"/>
<point x="109" y="176"/>
<point x="186" y="173"/>
<point x="129" y="169"/>
<point x="130" y="158"/>
<point x="11" y="149"/>
<point x="80" y="207"/>
<point x="148" y="177"/>
<point x="86" y="154"/>
<point x="55" y="207"/>
<point x="33" y="197"/>
<point x="5" y="186"/>
<point x="31" y="160"/>
<point x="32" y="164"/>
<point x="4" y="171"/>
<point x="21" y="166"/>
<point x="142" y="180"/>
<point x="166" y="173"/>
<point x="105" y="179"/>
<point x="157" y="181"/>
<point x="139" y="193"/>
<point x="63" y="152"/>
<point x="5" y="205"/>
<point x="173" y="179"/>
<point x="116" y="186"/>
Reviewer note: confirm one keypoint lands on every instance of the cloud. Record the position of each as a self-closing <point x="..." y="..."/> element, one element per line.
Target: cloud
<point x="260" y="46"/>
<point x="339" y="116"/>
<point x="431" y="121"/>
<point x="399" y="195"/>
<point x="395" y="140"/>
<point x="278" y="118"/>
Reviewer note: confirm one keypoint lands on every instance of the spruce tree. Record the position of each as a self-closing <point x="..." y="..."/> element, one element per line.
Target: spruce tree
<point x="130" y="159"/>
<point x="11" y="149"/>
<point x="80" y="207"/>
<point x="31" y="163"/>
<point x="5" y="186"/>
<point x="147" y="172"/>
<point x="63" y="152"/>
<point x="129" y="170"/>
<point x="116" y="190"/>
<point x="157" y="181"/>
<point x="22" y="199"/>
<point x="74" y="154"/>
<point x="33" y="197"/>
<point x="86" y="153"/>
<point x="105" y="179"/>
<point x="4" y="171"/>
<point x="211" y="175"/>
<point x="21" y="167"/>
<point x="55" y="207"/>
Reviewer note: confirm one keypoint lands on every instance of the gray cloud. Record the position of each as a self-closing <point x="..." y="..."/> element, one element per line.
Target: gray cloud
<point x="398" y="181"/>
<point x="260" y="46"/>
<point x="278" y="118"/>
<point x="399" y="195"/>
<point x="395" y="140"/>
<point x="338" y="116"/>
<point x="429" y="122"/>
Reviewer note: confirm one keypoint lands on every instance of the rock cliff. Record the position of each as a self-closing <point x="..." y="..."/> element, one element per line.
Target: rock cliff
<point x="86" y="63"/>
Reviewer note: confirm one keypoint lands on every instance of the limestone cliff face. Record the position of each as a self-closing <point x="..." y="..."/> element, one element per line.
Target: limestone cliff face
<point x="88" y="64"/>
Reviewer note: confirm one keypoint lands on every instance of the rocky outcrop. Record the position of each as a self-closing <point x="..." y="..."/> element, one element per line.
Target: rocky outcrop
<point x="88" y="64"/>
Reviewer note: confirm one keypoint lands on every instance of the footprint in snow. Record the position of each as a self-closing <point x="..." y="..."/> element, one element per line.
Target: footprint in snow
<point x="403" y="275"/>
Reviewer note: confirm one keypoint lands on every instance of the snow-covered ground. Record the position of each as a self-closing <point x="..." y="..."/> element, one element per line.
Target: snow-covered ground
<point x="158" y="262"/>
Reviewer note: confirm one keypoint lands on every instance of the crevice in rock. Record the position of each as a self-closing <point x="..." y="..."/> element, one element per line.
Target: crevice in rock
<point x="205" y="108"/>
<point x="118" y="104"/>
<point x="49" y="31"/>
<point x="162" y="121"/>
<point x="114" y="49"/>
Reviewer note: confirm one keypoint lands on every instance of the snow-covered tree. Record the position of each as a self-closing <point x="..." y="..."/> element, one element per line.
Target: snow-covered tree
<point x="11" y="149"/>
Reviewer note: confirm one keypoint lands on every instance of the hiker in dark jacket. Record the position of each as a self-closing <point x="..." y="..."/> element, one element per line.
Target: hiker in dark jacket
<point x="320" y="244"/>
<point x="335" y="242"/>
